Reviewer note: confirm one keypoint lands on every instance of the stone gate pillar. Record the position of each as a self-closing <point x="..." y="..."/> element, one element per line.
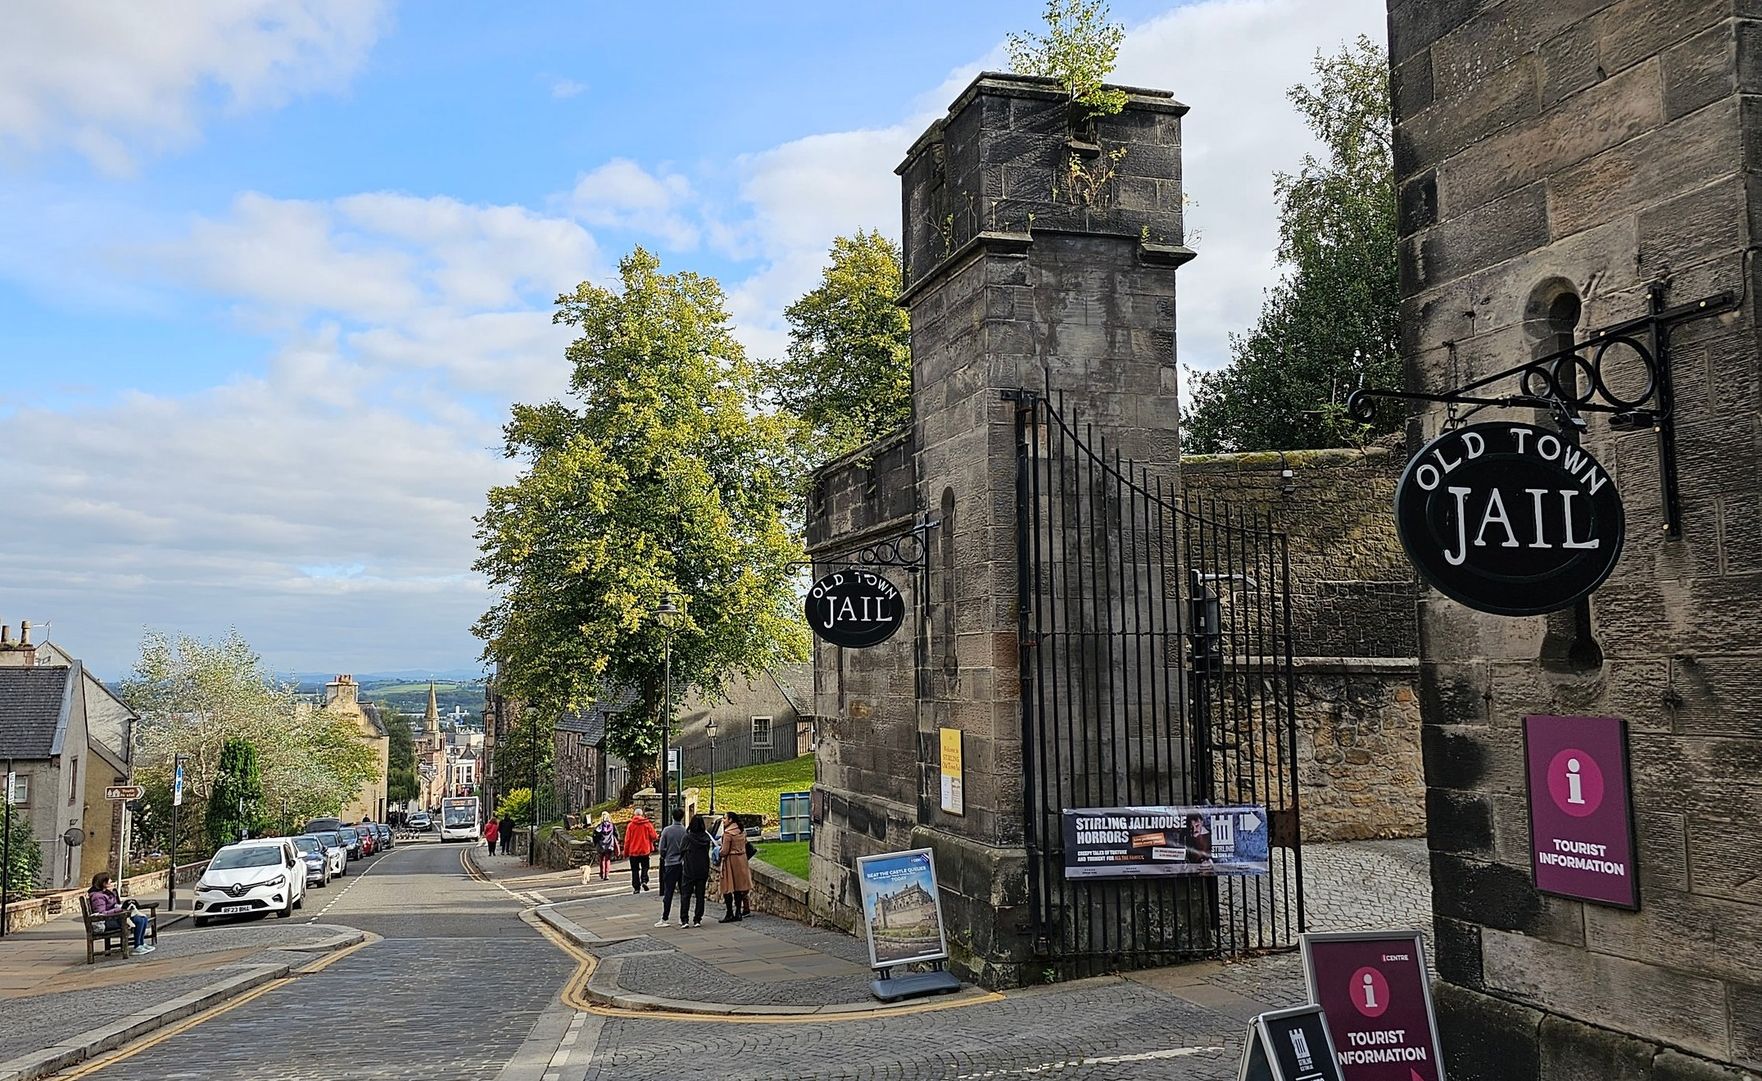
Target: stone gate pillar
<point x="1040" y="249"/>
<point x="1558" y="159"/>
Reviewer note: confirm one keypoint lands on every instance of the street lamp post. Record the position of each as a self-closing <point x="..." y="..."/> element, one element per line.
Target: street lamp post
<point x="666" y="612"/>
<point x="710" y="730"/>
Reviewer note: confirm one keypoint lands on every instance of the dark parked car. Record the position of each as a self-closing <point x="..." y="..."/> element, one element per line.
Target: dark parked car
<point x="386" y="843"/>
<point x="349" y="839"/>
<point x="312" y="851"/>
<point x="369" y="839"/>
<point x="322" y="825"/>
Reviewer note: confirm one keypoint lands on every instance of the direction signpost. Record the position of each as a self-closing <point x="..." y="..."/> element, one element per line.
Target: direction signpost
<point x="127" y="793"/>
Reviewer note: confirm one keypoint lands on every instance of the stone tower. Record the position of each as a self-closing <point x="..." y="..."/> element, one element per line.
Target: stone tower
<point x="1562" y="166"/>
<point x="1040" y="252"/>
<point x="431" y="720"/>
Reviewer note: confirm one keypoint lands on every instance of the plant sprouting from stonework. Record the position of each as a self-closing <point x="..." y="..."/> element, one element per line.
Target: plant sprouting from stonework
<point x="1086" y="182"/>
<point x="1079" y="49"/>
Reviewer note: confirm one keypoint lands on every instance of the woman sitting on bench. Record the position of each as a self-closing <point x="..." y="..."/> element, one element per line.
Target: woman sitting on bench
<point x="105" y="902"/>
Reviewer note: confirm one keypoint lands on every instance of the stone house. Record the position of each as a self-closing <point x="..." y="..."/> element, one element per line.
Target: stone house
<point x="66" y="737"/>
<point x="768" y="718"/>
<point x="342" y="696"/>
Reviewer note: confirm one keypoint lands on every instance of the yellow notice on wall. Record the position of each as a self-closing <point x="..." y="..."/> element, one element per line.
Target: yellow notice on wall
<point x="953" y="799"/>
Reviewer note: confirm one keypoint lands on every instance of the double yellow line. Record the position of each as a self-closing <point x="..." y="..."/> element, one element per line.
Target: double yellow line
<point x="188" y="1023"/>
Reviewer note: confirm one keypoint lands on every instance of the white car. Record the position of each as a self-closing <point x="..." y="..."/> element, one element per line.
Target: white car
<point x="335" y="853"/>
<point x="250" y="878"/>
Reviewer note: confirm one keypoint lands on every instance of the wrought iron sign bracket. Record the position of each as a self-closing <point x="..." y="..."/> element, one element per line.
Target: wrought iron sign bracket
<point x="1579" y="379"/>
<point x="909" y="549"/>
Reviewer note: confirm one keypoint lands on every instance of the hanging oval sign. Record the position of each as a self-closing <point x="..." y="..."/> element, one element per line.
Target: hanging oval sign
<point x="1509" y="518"/>
<point x="855" y="608"/>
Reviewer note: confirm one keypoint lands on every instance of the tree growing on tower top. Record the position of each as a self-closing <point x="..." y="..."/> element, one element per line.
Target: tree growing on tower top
<point x="1079" y="48"/>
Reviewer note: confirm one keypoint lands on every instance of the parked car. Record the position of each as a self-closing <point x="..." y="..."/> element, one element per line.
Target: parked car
<point x="320" y="825"/>
<point x="419" y="820"/>
<point x="369" y="839"/>
<point x="336" y="851"/>
<point x="386" y="843"/>
<point x="252" y="878"/>
<point x="317" y="860"/>
<point x="349" y="839"/>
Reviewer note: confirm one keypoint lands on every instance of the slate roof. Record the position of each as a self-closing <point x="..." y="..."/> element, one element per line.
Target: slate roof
<point x="30" y="710"/>
<point x="590" y="723"/>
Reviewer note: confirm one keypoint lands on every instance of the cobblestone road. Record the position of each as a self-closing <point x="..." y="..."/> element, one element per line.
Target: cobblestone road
<point x="462" y="989"/>
<point x="452" y="991"/>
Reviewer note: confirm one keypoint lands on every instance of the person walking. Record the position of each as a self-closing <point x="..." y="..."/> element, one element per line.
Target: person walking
<point x="737" y="874"/>
<point x="605" y="840"/>
<point x="672" y="852"/>
<point x="694" y="871"/>
<point x="639" y="845"/>
<point x="105" y="902"/>
<point x="489" y="835"/>
<point x="505" y="834"/>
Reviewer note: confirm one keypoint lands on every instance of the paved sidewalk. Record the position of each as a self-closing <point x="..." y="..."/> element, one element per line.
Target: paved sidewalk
<point x="769" y="965"/>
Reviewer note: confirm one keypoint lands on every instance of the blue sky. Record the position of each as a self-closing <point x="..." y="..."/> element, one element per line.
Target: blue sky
<point x="271" y="271"/>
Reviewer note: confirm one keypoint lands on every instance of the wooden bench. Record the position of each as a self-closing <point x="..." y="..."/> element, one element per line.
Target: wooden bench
<point x="121" y="937"/>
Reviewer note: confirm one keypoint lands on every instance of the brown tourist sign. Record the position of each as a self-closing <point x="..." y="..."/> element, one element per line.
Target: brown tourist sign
<point x="1509" y="518"/>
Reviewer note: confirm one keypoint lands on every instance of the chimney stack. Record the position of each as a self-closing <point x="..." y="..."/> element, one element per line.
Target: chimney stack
<point x="19" y="654"/>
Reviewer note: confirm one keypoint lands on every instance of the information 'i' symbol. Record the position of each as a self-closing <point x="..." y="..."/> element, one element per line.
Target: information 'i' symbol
<point x="1370" y="992"/>
<point x="1575" y="784"/>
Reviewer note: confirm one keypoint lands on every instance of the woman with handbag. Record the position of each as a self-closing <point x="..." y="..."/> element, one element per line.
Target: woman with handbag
<point x="737" y="874"/>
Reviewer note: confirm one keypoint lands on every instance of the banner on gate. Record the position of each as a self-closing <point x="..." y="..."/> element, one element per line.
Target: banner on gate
<point x="1131" y="842"/>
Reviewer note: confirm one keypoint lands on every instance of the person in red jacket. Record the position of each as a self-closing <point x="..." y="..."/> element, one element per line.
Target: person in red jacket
<point x="639" y="844"/>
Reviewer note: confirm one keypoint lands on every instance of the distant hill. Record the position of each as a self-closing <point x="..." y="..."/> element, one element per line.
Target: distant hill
<point x="410" y="696"/>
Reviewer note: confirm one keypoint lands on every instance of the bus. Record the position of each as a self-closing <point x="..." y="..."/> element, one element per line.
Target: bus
<point x="459" y="819"/>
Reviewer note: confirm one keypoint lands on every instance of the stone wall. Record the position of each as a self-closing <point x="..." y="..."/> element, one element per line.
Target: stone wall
<point x="1553" y="154"/>
<point x="1353" y="628"/>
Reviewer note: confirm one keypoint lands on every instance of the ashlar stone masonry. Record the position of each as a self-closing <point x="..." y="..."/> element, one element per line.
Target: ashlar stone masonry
<point x="1556" y="160"/>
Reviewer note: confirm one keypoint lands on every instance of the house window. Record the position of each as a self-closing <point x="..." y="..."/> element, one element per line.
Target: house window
<point x="73" y="780"/>
<point x="21" y="789"/>
<point x="761" y="731"/>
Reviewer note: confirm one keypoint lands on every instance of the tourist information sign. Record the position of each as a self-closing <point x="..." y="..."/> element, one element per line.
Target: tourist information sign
<point x="902" y="910"/>
<point x="854" y="608"/>
<point x="1581" y="811"/>
<point x="1134" y="842"/>
<point x="1509" y="518"/>
<point x="124" y="792"/>
<point x="1289" y="1045"/>
<point x="1376" y="993"/>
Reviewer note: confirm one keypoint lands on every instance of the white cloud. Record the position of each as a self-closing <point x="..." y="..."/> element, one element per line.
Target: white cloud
<point x="113" y="78"/>
<point x="563" y="89"/>
<point x="623" y="195"/>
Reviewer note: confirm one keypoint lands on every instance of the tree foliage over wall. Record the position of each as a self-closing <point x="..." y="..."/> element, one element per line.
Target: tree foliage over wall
<point x="664" y="478"/>
<point x="847" y="376"/>
<point x="1330" y="324"/>
<point x="235" y="799"/>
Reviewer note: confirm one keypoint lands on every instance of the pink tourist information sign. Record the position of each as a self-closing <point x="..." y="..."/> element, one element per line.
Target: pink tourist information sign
<point x="1581" y="813"/>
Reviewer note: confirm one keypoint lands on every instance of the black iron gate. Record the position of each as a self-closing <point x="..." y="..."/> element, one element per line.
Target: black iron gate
<point x="1155" y="671"/>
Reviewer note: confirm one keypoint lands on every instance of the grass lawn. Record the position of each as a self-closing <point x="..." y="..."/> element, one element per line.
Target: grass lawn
<point x="791" y="856"/>
<point x="754" y="789"/>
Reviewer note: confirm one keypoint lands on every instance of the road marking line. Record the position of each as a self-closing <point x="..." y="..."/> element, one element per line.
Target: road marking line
<point x="1095" y="1060"/>
<point x="345" y="891"/>
<point x="181" y="1027"/>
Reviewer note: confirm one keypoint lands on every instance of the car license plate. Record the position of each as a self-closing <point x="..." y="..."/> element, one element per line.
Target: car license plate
<point x="232" y="908"/>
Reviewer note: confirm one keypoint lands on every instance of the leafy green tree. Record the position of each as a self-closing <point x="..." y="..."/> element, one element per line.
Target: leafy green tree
<point x="1079" y="49"/>
<point x="1330" y="325"/>
<point x="514" y="752"/>
<point x="24" y="862"/>
<point x="666" y="479"/>
<point x="192" y="696"/>
<point x="401" y="782"/>
<point x="848" y="373"/>
<point x="517" y="806"/>
<point x="235" y="802"/>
